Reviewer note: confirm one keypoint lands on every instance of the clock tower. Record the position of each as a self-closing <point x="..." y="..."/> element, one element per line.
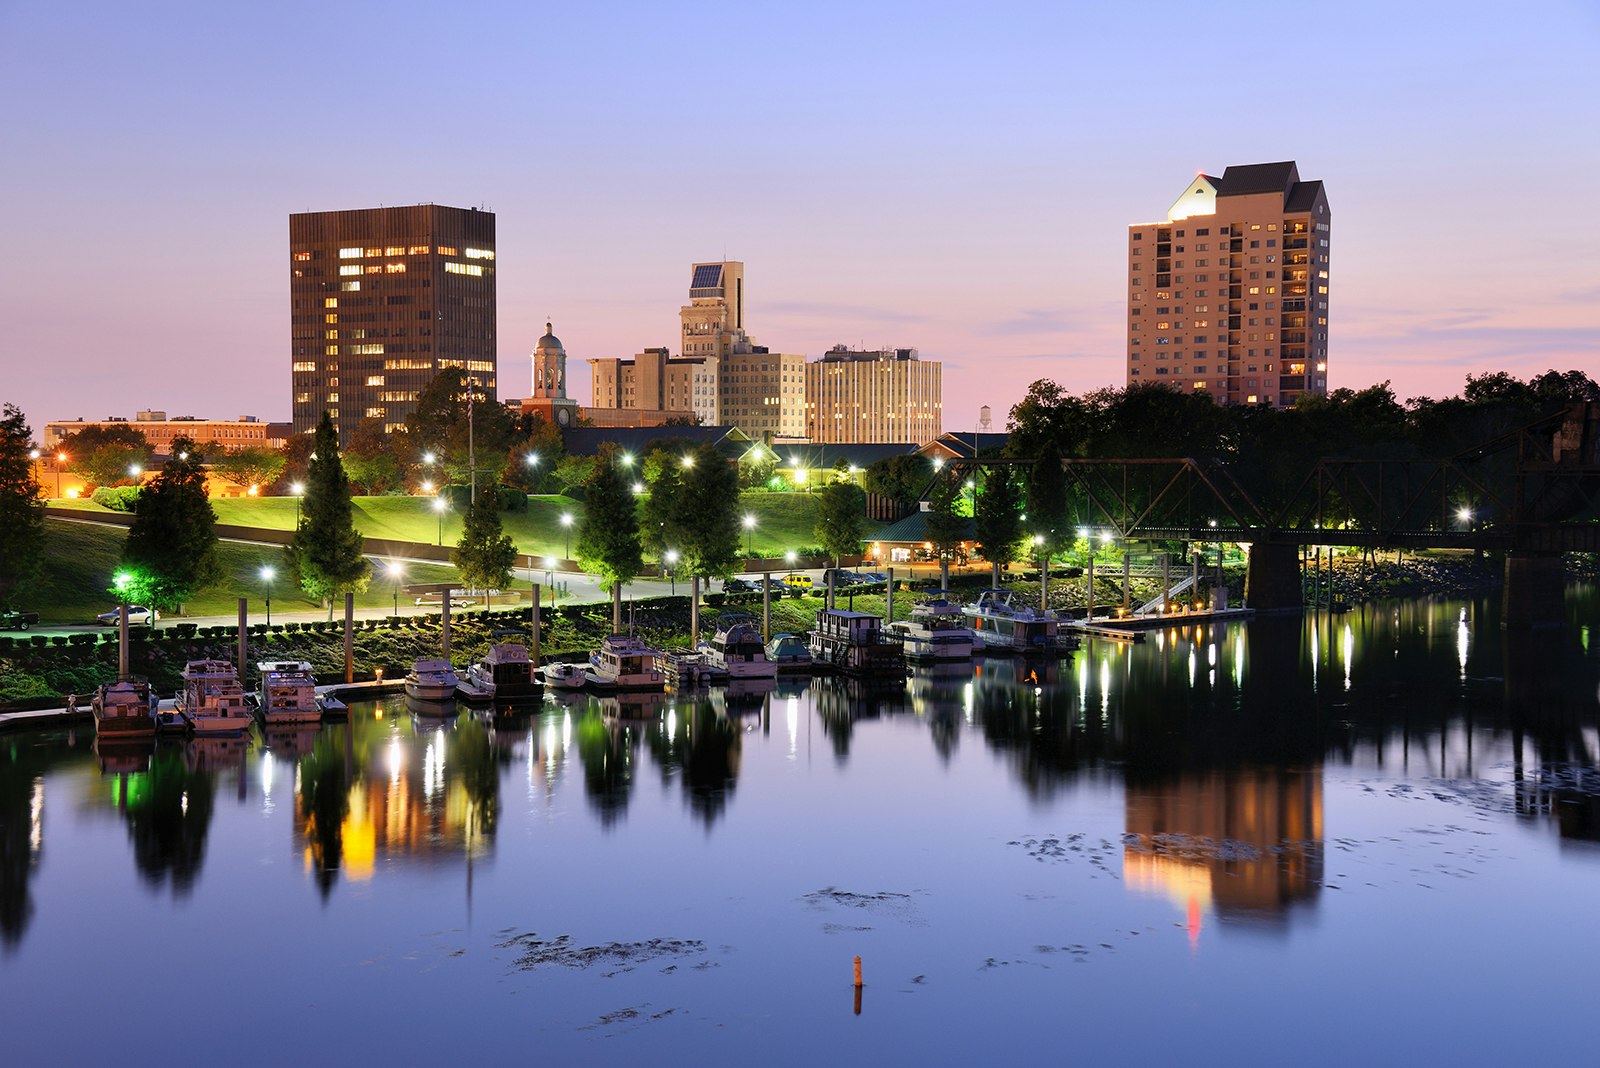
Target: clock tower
<point x="549" y="396"/>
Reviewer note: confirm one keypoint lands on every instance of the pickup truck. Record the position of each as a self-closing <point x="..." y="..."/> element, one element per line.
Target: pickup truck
<point x="18" y="620"/>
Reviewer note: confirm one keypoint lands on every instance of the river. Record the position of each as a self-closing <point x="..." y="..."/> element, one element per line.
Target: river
<point x="1361" y="838"/>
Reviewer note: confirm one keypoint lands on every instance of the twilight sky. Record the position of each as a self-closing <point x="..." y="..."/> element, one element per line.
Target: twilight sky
<point x="953" y="177"/>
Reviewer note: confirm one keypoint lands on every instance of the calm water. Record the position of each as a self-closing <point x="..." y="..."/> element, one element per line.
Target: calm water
<point x="1369" y="838"/>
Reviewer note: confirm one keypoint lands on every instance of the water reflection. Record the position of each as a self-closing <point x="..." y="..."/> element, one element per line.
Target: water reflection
<point x="168" y="813"/>
<point x="702" y="749"/>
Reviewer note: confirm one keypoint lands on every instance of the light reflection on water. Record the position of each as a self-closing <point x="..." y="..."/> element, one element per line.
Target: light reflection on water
<point x="1142" y="828"/>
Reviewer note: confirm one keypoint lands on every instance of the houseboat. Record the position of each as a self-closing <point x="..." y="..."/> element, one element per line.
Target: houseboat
<point x="626" y="663"/>
<point x="288" y="693"/>
<point x="935" y="631"/>
<point x="853" y="642"/>
<point x="504" y="673"/>
<point x="123" y="709"/>
<point x="736" y="651"/>
<point x="432" y="680"/>
<point x="212" y="701"/>
<point x="1006" y="627"/>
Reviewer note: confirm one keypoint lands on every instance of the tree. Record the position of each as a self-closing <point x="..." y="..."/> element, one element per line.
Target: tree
<point x="245" y="466"/>
<point x="997" y="522"/>
<point x="325" y="553"/>
<point x="297" y="458"/>
<point x="21" y="511"/>
<point x="371" y="460"/>
<point x="900" y="478"/>
<point x="659" y="527"/>
<point x="946" y="529"/>
<point x="1047" y="501"/>
<point x="841" y="519"/>
<point x="171" y="550"/>
<point x="104" y="455"/>
<point x="536" y="448"/>
<point x="484" y="555"/>
<point x="707" y="513"/>
<point x="608" y="536"/>
<point x="441" y="425"/>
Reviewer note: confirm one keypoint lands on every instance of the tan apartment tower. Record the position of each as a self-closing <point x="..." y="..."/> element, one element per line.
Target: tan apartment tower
<point x="381" y="299"/>
<point x="864" y="398"/>
<point x="1230" y="293"/>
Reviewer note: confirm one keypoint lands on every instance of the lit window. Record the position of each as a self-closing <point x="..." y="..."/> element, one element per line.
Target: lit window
<point x="374" y="380"/>
<point x="350" y="268"/>
<point x="374" y="252"/>
<point x="349" y="254"/>
<point x="331" y="317"/>
<point x="301" y="257"/>
<point x="374" y="268"/>
<point x="394" y="268"/>
<point x="445" y="250"/>
<point x="330" y="302"/>
<point x="479" y="254"/>
<point x="395" y="250"/>
<point x="349" y="287"/>
<point x="463" y="268"/>
<point x="305" y="365"/>
<point x="330" y="350"/>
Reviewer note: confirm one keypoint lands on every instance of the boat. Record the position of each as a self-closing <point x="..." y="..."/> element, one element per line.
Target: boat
<point x="288" y="693"/>
<point x="432" y="680"/>
<point x="935" y="631"/>
<point x="564" y="676"/>
<point x="123" y="709"/>
<point x="1007" y="627"/>
<point x="169" y="720"/>
<point x="503" y="673"/>
<point x="332" y="707"/>
<point x="626" y="663"/>
<point x="789" y="654"/>
<point x="736" y="650"/>
<point x="853" y="642"/>
<point x="212" y="701"/>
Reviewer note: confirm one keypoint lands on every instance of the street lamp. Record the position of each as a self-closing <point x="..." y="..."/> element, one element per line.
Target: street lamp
<point x="972" y="490"/>
<point x="566" y="526"/>
<point x="394" y="573"/>
<point x="671" y="560"/>
<point x="61" y="459"/>
<point x="134" y="471"/>
<point x="439" y="505"/>
<point x="266" y="576"/>
<point x="296" y="490"/>
<point x="749" y="534"/>
<point x="33" y="454"/>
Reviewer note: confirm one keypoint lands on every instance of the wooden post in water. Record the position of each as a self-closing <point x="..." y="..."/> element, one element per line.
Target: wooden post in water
<point x="828" y="599"/>
<point x="1127" y="582"/>
<point x="888" y="599"/>
<point x="1166" y="580"/>
<point x="766" y="607"/>
<point x="694" y="612"/>
<point x="444" y="626"/>
<point x="533" y="644"/>
<point x="244" y="632"/>
<point x="349" y="637"/>
<point x="1044" y="583"/>
<point x="1088" y="610"/>
<point x="1199" y="564"/>
<point x="122" y="642"/>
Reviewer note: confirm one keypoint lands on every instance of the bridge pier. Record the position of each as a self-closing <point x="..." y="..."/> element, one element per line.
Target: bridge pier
<point x="1535" y="590"/>
<point x="1272" y="582"/>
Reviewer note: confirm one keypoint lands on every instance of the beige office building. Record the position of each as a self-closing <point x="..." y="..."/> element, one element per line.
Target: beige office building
<point x="870" y="397"/>
<point x="1230" y="293"/>
<point x="652" y="380"/>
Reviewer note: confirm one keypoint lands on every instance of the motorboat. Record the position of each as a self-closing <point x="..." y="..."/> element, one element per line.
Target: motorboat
<point x="123" y="709"/>
<point x="169" y="719"/>
<point x="432" y="680"/>
<point x="332" y="707"/>
<point x="1007" y="627"/>
<point x="212" y="700"/>
<point x="936" y="630"/>
<point x="288" y="693"/>
<point x="503" y="673"/>
<point x="853" y="642"/>
<point x="789" y="653"/>
<point x="737" y="651"/>
<point x="623" y="662"/>
<point x="565" y="676"/>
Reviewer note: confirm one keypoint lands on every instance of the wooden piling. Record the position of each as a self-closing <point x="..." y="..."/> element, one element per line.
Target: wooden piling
<point x="349" y="638"/>
<point x="244" y="636"/>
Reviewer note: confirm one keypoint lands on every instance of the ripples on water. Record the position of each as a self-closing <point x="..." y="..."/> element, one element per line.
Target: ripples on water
<point x="1352" y="837"/>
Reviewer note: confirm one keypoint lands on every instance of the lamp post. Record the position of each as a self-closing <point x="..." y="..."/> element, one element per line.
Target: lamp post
<point x="749" y="534"/>
<point x="267" y="574"/>
<point x="297" y="490"/>
<point x="395" y="572"/>
<point x="439" y="505"/>
<point x="566" y="526"/>
<point x="61" y="459"/>
<point x="670" y="558"/>
<point x="134" y="471"/>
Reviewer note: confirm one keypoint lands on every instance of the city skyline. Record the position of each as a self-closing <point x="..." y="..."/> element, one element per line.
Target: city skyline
<point x="958" y="183"/>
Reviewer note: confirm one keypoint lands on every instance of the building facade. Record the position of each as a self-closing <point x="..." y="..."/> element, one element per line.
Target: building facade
<point x="1230" y="293"/>
<point x="160" y="431"/>
<point x="381" y="300"/>
<point x="890" y="395"/>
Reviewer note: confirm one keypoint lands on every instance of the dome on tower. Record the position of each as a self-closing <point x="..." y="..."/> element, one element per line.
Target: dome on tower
<point x="549" y="341"/>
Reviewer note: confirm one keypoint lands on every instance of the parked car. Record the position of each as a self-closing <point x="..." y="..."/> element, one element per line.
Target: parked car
<point x="18" y="620"/>
<point x="136" y="614"/>
<point x="798" y="581"/>
<point x="739" y="585"/>
<point x="777" y="586"/>
<point x="842" y="579"/>
<point x="435" y="600"/>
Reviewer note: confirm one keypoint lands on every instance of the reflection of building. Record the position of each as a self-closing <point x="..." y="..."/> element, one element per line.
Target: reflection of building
<point x="381" y="300"/>
<point x="1246" y="842"/>
<point x="1230" y="293"/>
<point x="890" y="396"/>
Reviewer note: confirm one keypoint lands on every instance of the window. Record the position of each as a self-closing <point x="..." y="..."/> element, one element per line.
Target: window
<point x="349" y="254"/>
<point x="479" y="254"/>
<point x="301" y="257"/>
<point x="349" y="287"/>
<point x="350" y="268"/>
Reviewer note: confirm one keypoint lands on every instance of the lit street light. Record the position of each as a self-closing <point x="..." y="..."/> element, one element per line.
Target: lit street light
<point x="61" y="458"/>
<point x="439" y="505"/>
<point x="395" y="571"/>
<point x="134" y="471"/>
<point x="671" y="560"/>
<point x="297" y="490"/>
<point x="267" y="574"/>
<point x="749" y="534"/>
<point x="566" y="525"/>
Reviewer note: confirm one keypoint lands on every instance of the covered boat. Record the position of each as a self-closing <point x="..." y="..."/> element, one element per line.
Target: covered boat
<point x="212" y="700"/>
<point x="123" y="709"/>
<point x="853" y="642"/>
<point x="1006" y="627"/>
<point x="623" y="662"/>
<point x="432" y="680"/>
<point x="736" y="649"/>
<point x="288" y="693"/>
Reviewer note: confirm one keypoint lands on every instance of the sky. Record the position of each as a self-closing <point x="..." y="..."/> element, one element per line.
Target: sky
<point x="954" y="178"/>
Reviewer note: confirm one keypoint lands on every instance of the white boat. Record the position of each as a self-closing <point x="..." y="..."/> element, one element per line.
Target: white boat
<point x="212" y="701"/>
<point x="736" y="650"/>
<point x="936" y="630"/>
<point x="1006" y="627"/>
<point x="853" y="642"/>
<point x="123" y="709"/>
<point x="432" y="680"/>
<point x="565" y="676"/>
<point x="288" y="693"/>
<point x="503" y="673"/>
<point x="626" y="663"/>
<point x="788" y="653"/>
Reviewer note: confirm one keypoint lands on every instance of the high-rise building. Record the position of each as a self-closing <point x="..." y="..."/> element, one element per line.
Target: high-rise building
<point x="382" y="299"/>
<point x="1230" y="293"/>
<point x="867" y="397"/>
